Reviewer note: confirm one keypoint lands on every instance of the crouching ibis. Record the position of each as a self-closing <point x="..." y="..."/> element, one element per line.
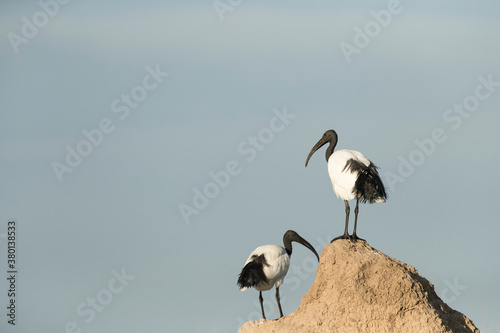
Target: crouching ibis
<point x="352" y="175"/>
<point x="267" y="266"/>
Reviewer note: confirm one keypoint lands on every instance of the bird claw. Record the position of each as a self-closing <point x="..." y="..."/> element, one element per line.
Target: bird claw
<point x="355" y="238"/>
<point x="344" y="236"/>
<point x="352" y="238"/>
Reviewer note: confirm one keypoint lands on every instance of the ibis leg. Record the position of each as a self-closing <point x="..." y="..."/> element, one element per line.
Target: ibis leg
<point x="347" y="211"/>
<point x="355" y="237"/>
<point x="261" y="304"/>
<point x="278" y="301"/>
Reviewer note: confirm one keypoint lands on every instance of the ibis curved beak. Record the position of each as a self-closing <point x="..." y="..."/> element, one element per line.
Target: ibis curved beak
<point x="317" y="146"/>
<point x="306" y="244"/>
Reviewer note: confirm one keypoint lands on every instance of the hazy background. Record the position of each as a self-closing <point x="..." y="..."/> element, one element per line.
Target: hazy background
<point x="119" y="208"/>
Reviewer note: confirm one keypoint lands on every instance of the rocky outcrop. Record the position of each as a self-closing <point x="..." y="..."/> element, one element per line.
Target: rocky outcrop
<point x="360" y="289"/>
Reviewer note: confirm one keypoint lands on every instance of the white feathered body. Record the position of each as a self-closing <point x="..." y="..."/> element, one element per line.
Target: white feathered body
<point x="278" y="262"/>
<point x="343" y="179"/>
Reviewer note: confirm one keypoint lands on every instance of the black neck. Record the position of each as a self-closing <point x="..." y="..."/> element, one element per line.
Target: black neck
<point x="331" y="147"/>
<point x="288" y="246"/>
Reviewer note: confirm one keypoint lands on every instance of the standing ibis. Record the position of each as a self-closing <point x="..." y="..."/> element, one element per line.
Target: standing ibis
<point x="352" y="175"/>
<point x="267" y="266"/>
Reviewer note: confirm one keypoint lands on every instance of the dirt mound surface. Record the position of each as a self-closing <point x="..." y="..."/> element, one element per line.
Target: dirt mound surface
<point x="360" y="289"/>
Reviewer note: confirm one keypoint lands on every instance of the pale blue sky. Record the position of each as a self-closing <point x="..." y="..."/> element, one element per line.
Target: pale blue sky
<point x="119" y="207"/>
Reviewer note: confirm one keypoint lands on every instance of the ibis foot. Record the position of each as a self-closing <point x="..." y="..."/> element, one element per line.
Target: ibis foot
<point x="344" y="236"/>
<point x="355" y="238"/>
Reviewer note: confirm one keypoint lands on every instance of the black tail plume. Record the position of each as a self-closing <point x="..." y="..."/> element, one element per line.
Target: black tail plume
<point x="368" y="186"/>
<point x="253" y="273"/>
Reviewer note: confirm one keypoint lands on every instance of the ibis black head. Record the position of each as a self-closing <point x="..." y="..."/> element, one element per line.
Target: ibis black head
<point x="330" y="136"/>
<point x="291" y="236"/>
